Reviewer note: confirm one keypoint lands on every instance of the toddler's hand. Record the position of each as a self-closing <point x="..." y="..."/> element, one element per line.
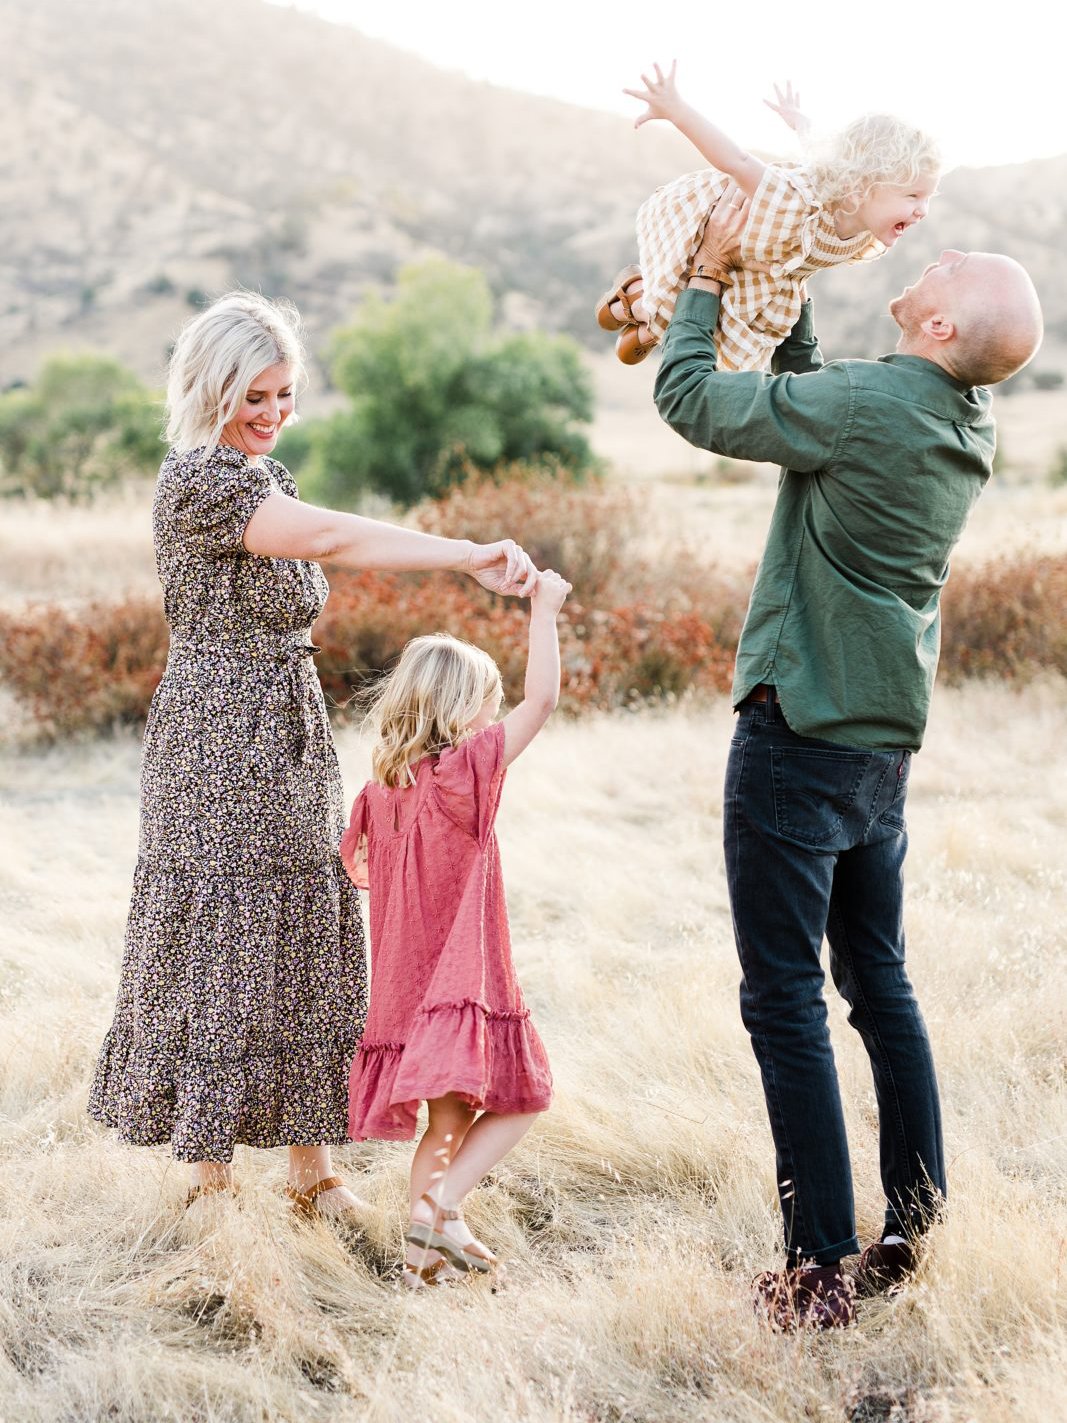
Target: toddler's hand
<point x="788" y="108"/>
<point x="551" y="591"/>
<point x="660" y="94"/>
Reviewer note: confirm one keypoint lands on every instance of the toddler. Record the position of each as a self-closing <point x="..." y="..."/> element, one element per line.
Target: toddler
<point x="850" y="202"/>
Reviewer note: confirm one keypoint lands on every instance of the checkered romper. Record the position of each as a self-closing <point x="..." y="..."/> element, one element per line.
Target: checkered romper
<point x="788" y="230"/>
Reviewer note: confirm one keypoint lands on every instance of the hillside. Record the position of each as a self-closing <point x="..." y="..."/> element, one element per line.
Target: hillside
<point x="149" y="160"/>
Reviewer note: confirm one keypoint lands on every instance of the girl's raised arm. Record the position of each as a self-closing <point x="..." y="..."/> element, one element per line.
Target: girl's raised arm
<point x="664" y="102"/>
<point x="542" y="666"/>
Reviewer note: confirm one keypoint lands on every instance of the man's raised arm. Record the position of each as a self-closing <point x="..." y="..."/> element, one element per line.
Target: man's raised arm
<point x="799" y="352"/>
<point x="796" y="420"/>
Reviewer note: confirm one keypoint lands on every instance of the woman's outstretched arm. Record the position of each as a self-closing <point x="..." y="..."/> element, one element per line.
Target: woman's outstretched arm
<point x="283" y="527"/>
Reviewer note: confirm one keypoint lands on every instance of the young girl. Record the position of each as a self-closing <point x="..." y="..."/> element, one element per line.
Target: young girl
<point x="447" y="1024"/>
<point x="850" y="203"/>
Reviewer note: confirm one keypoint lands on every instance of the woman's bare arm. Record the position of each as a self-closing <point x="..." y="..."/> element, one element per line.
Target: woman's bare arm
<point x="283" y="527"/>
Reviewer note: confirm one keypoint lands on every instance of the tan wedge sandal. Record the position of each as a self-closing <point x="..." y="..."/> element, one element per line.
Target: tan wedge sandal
<point x="464" y="1258"/>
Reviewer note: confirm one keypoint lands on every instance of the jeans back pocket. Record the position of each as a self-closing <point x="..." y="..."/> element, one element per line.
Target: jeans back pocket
<point x="814" y="790"/>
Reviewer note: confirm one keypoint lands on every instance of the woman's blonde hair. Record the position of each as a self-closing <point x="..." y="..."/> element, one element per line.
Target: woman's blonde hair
<point x="218" y="355"/>
<point x="872" y="150"/>
<point x="427" y="702"/>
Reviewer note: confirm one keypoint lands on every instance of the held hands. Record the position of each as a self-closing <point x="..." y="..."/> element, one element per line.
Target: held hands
<point x="550" y="593"/>
<point x="788" y="108"/>
<point x="660" y="94"/>
<point x="503" y="567"/>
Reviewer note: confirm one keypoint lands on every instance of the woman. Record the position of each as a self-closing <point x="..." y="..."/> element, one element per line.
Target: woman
<point x="244" y="982"/>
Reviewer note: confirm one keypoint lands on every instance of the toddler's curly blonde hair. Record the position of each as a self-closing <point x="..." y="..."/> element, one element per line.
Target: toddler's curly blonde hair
<point x="872" y="150"/>
<point x="427" y="702"/>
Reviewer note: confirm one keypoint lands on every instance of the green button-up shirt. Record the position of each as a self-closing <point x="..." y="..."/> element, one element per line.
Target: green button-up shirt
<point x="882" y="463"/>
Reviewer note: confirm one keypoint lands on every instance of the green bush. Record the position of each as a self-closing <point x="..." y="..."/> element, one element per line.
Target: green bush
<point x="84" y="423"/>
<point x="436" y="391"/>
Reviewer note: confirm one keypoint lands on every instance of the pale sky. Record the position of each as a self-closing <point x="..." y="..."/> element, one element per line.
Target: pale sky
<point x="985" y="79"/>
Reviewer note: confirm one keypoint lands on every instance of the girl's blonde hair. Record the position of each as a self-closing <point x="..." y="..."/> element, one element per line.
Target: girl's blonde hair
<point x="218" y="355"/>
<point x="427" y="702"/>
<point x="872" y="150"/>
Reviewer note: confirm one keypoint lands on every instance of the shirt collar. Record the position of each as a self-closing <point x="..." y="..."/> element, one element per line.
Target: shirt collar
<point x="942" y="392"/>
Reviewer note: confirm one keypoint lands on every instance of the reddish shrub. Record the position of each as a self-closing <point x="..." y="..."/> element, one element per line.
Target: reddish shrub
<point x="631" y="631"/>
<point x="89" y="668"/>
<point x="584" y="531"/>
<point x="1008" y="620"/>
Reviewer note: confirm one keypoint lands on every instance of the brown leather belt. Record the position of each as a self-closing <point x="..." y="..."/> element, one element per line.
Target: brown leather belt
<point x="762" y="692"/>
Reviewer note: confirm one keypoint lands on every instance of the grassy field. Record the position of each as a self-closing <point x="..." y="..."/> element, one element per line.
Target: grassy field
<point x="638" y="1209"/>
<point x="636" y="1212"/>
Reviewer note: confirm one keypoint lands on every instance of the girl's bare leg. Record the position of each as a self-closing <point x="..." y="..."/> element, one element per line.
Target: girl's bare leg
<point x="483" y="1146"/>
<point x="450" y="1120"/>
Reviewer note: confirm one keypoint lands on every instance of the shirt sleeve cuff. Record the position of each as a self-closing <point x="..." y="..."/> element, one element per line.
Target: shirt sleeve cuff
<point x="698" y="306"/>
<point x="804" y="330"/>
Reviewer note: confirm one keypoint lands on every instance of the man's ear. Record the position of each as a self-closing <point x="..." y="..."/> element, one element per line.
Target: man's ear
<point x="938" y="328"/>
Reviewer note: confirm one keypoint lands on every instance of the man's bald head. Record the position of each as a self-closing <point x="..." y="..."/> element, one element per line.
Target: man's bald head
<point x="975" y="313"/>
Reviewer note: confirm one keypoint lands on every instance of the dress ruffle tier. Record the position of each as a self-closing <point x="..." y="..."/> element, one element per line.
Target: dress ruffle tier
<point x="249" y="1046"/>
<point x="493" y="1059"/>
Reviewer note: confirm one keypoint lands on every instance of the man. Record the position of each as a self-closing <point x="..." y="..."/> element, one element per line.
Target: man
<point x="882" y="463"/>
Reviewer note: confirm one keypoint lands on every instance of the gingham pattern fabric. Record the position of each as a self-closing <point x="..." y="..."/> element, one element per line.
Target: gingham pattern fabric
<point x="788" y="230"/>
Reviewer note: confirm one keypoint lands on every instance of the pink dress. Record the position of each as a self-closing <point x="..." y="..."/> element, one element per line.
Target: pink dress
<point x="446" y="1011"/>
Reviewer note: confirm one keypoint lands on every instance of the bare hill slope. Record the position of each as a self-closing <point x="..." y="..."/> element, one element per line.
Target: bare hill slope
<point x="159" y="149"/>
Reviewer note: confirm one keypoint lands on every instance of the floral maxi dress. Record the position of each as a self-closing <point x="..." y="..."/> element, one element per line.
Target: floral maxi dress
<point x="243" y="983"/>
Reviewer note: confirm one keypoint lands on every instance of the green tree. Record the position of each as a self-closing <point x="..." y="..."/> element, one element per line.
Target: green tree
<point x="437" y="391"/>
<point x="84" y="423"/>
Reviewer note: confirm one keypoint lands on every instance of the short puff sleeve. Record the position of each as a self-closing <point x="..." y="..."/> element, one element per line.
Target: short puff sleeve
<point x="782" y="208"/>
<point x="468" y="779"/>
<point x="353" y="846"/>
<point x="214" y="498"/>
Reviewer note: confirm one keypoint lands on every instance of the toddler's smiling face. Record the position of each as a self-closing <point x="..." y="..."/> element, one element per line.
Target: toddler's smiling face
<point x="889" y="210"/>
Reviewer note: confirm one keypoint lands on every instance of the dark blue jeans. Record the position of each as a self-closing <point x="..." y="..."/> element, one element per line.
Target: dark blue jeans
<point x="815" y="842"/>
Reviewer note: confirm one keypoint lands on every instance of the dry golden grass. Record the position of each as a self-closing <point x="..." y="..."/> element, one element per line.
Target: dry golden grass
<point x="636" y="1212"/>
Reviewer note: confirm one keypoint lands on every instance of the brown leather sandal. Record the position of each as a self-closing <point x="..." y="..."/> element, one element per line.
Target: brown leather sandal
<point x="464" y="1258"/>
<point x="304" y="1201"/>
<point x="629" y="347"/>
<point x="605" y="317"/>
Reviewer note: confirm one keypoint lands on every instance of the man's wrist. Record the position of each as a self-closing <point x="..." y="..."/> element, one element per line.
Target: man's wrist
<point x="709" y="276"/>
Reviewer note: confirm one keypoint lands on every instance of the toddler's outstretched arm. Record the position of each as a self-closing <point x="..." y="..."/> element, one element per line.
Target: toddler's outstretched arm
<point x="541" y="692"/>
<point x="664" y="102"/>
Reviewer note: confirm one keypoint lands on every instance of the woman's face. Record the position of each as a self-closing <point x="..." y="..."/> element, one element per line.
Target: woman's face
<point x="268" y="403"/>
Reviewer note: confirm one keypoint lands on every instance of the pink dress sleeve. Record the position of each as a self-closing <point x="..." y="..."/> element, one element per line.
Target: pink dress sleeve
<point x="354" y="843"/>
<point x="468" y="779"/>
